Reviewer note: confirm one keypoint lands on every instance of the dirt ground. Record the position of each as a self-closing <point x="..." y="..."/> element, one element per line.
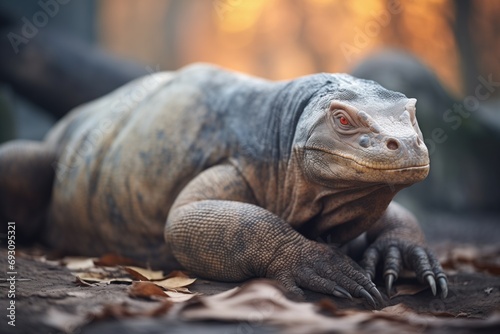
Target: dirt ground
<point x="50" y="301"/>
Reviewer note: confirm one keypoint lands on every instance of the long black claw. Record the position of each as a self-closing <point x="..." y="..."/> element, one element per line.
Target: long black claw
<point x="374" y="291"/>
<point x="432" y="283"/>
<point x="368" y="297"/>
<point x="342" y="293"/>
<point x="389" y="279"/>
<point x="443" y="284"/>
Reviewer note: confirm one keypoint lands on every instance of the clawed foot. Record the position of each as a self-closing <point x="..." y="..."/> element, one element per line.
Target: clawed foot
<point x="320" y="268"/>
<point x="415" y="257"/>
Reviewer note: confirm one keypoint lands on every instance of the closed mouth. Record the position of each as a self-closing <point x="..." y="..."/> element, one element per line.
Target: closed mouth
<point x="375" y="166"/>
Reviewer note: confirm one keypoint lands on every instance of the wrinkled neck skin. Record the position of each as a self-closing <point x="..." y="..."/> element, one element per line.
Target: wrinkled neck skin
<point x="338" y="211"/>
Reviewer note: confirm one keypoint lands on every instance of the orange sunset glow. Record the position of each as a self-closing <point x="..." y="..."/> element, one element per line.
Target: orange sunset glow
<point x="281" y="39"/>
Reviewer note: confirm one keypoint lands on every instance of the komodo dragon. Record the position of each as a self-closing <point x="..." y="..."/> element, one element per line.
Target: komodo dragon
<point x="232" y="177"/>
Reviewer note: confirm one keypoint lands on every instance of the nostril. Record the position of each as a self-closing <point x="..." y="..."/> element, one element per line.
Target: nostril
<point x="392" y="144"/>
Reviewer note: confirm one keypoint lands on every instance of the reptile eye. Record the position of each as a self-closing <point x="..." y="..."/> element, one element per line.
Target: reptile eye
<point x="343" y="120"/>
<point x="344" y="123"/>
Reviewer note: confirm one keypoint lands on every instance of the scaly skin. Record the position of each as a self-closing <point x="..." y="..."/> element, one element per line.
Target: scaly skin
<point x="247" y="174"/>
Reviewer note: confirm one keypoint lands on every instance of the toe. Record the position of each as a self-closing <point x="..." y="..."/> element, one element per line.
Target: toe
<point x="389" y="279"/>
<point x="439" y="274"/>
<point x="419" y="261"/>
<point x="355" y="282"/>
<point x="374" y="292"/>
<point x="370" y="261"/>
<point x="342" y="292"/>
<point x="289" y="284"/>
<point x="366" y="295"/>
<point x="309" y="279"/>
<point x="392" y="267"/>
<point x="432" y="283"/>
<point x="443" y="285"/>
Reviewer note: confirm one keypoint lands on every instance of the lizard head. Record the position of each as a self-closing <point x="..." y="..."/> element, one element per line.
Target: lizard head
<point x="360" y="131"/>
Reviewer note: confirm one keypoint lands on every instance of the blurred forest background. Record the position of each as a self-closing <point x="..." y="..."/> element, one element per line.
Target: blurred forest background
<point x="283" y="39"/>
<point x="443" y="52"/>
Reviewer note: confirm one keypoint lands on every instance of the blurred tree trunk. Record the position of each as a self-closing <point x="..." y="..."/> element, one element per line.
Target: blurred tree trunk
<point x="462" y="27"/>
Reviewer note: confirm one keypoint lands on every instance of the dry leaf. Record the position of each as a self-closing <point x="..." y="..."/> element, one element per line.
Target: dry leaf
<point x="261" y="301"/>
<point x="146" y="290"/>
<point x="398" y="309"/>
<point x="178" y="297"/>
<point x="160" y="310"/>
<point x="78" y="263"/>
<point x="182" y="289"/>
<point x="119" y="311"/>
<point x="409" y="289"/>
<point x="65" y="322"/>
<point x="80" y="294"/>
<point x="177" y="273"/>
<point x="122" y="311"/>
<point x="112" y="260"/>
<point x="143" y="274"/>
<point x="405" y="312"/>
<point x="175" y="282"/>
<point x="327" y="306"/>
<point x="81" y="282"/>
<point x="264" y="303"/>
<point x="488" y="264"/>
<point x="468" y="258"/>
<point x="94" y="277"/>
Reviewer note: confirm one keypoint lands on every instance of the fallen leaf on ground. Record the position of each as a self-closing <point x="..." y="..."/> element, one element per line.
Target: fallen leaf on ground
<point x="80" y="294"/>
<point x="469" y="258"/>
<point x="146" y="290"/>
<point x="100" y="277"/>
<point x="78" y="263"/>
<point x="81" y="282"/>
<point x="179" y="297"/>
<point x="409" y="289"/>
<point x="177" y="273"/>
<point x="182" y="289"/>
<point x="88" y="276"/>
<point x="123" y="311"/>
<point x="263" y="302"/>
<point x="175" y="282"/>
<point x="143" y="274"/>
<point x="65" y="322"/>
<point x="112" y="260"/>
<point x="489" y="263"/>
<point x="398" y="309"/>
<point x="119" y="311"/>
